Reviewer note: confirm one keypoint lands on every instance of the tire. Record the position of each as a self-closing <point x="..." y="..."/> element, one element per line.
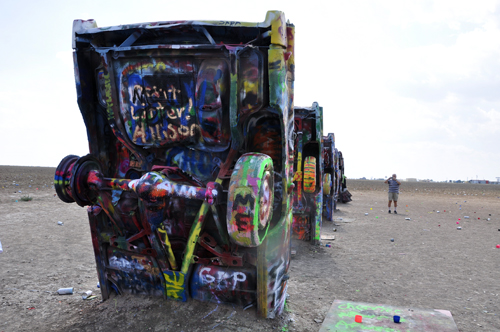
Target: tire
<point x="310" y="175"/>
<point x="61" y="178"/>
<point x="327" y="184"/>
<point x="250" y="199"/>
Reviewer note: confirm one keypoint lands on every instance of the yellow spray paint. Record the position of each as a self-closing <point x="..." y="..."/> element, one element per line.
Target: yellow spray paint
<point x="170" y="253"/>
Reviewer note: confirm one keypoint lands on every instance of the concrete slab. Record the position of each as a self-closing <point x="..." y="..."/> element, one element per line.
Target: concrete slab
<point x="342" y="317"/>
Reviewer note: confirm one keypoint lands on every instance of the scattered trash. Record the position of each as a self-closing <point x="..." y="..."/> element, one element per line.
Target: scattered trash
<point x="86" y="294"/>
<point x="458" y="223"/>
<point x="436" y="212"/>
<point x="294" y="252"/>
<point x="248" y="306"/>
<point x="489" y="219"/>
<point x="466" y="217"/>
<point x="358" y="318"/>
<point x="1" y="249"/>
<point x="459" y="228"/>
<point x="407" y="219"/>
<point x="366" y="213"/>
<point x="444" y="211"/>
<point x="490" y="214"/>
<point x="334" y="229"/>
<point x="91" y="297"/>
<point x="328" y="246"/>
<point x="392" y="240"/>
<point x="60" y="223"/>
<point x="318" y="320"/>
<point x="371" y="208"/>
<point x="396" y="319"/>
<point x="64" y="291"/>
<point x="327" y="237"/>
<point x="98" y="285"/>
<point x="498" y="246"/>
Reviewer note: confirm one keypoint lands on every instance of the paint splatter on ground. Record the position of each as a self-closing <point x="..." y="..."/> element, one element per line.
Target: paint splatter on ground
<point x="345" y="316"/>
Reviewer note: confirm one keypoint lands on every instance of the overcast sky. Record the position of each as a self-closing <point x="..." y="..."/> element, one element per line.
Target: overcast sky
<point x="408" y="87"/>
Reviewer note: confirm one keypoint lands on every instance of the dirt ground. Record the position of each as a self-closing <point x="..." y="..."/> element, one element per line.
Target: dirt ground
<point x="430" y="264"/>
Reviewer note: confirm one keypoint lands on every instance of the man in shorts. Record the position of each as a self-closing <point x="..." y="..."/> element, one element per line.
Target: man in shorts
<point x="393" y="191"/>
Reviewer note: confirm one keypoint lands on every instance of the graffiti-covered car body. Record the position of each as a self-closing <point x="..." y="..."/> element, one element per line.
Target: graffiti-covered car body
<point x="189" y="176"/>
<point x="308" y="177"/>
<point x="330" y="169"/>
<point x="344" y="195"/>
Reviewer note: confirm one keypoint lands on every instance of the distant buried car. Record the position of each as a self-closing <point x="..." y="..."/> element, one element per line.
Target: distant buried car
<point x="308" y="166"/>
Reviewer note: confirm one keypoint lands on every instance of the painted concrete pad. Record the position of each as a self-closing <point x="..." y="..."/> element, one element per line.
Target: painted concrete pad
<point x="380" y="317"/>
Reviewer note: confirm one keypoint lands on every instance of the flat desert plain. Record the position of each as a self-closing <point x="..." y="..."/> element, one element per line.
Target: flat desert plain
<point x="429" y="265"/>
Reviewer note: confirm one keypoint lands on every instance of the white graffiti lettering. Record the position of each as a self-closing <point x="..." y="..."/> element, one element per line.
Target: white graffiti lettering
<point x="123" y="264"/>
<point x="223" y="280"/>
<point x="206" y="278"/>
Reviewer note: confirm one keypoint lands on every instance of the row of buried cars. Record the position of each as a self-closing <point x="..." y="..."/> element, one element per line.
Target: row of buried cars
<point x="200" y="169"/>
<point x="319" y="174"/>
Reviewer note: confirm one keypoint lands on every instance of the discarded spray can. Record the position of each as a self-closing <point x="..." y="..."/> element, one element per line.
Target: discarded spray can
<point x="407" y="219"/>
<point x="98" y="285"/>
<point x="466" y="217"/>
<point x="60" y="223"/>
<point x="459" y="228"/>
<point x="392" y="240"/>
<point x="1" y="249"/>
<point x="328" y="246"/>
<point x="366" y="213"/>
<point x="86" y="294"/>
<point x="64" y="291"/>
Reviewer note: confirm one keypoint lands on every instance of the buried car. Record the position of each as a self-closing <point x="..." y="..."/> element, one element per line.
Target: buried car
<point x="308" y="166"/>
<point x="189" y="177"/>
<point x="330" y="177"/>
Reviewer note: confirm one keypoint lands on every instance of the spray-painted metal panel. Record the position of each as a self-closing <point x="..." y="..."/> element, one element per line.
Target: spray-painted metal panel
<point x="188" y="180"/>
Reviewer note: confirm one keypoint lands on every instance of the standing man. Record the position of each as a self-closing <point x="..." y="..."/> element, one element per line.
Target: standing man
<point x="393" y="191"/>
